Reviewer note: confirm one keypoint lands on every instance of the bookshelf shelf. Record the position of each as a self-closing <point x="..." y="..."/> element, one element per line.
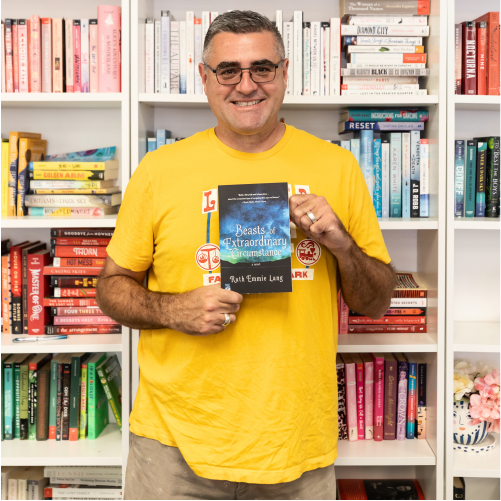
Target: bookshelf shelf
<point x="74" y="344"/>
<point x="478" y="103"/>
<point x="385" y="453"/>
<point x="480" y="465"/>
<point x="406" y="223"/>
<point x="106" y="450"/>
<point x="370" y="343"/>
<point x="476" y="337"/>
<point x="58" y="222"/>
<point x="62" y="100"/>
<point x="477" y="223"/>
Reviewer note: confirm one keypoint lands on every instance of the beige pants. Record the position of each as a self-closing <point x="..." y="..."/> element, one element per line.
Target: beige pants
<point x="157" y="471"/>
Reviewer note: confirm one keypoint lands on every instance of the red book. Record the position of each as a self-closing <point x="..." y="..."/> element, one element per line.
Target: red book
<point x="6" y="294"/>
<point x="469" y="58"/>
<point x="16" y="286"/>
<point x="492" y="20"/>
<point x="387" y="320"/>
<point x="77" y="68"/>
<point x="390" y="396"/>
<point x="417" y="312"/>
<point x="36" y="247"/>
<point x="38" y="288"/>
<point x="481" y="59"/>
<point x="15" y="55"/>
<point x="73" y="292"/>
<point x="63" y="330"/>
<point x="378" y="360"/>
<point x="75" y="261"/>
<point x="56" y="270"/>
<point x="84" y="320"/>
<point x="69" y="251"/>
<point x="85" y="282"/>
<point x="385" y="329"/>
<point x="92" y="242"/>
<point x="80" y="310"/>
<point x="69" y="301"/>
<point x="458" y="58"/>
<point x="359" y="374"/>
<point x="343" y="315"/>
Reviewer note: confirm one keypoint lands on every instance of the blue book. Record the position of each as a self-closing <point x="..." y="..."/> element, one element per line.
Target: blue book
<point x="152" y="144"/>
<point x="385" y="175"/>
<point x="424" y="183"/>
<point x="377" y="178"/>
<point x="366" y="160"/>
<point x="350" y="126"/>
<point x="480" y="184"/>
<point x="8" y="397"/>
<point x="459" y="178"/>
<point x="396" y="175"/>
<point x="415" y="172"/>
<point x="97" y="155"/>
<point x="345" y="145"/>
<point x="162" y="136"/>
<point x="406" y="174"/>
<point x="356" y="115"/>
<point x="355" y="149"/>
<point x="411" y="392"/>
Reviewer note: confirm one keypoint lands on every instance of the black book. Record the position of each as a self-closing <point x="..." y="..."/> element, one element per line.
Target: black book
<point x="492" y="176"/>
<point x="254" y="234"/>
<point x="459" y="491"/>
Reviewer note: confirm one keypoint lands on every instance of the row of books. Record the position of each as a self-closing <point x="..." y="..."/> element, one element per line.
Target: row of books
<point x="476" y="177"/>
<point x="162" y="137"/>
<point x="476" y="56"/>
<point x="63" y="55"/>
<point x="381" y="396"/>
<point x="61" y="482"/>
<point x="59" y="397"/>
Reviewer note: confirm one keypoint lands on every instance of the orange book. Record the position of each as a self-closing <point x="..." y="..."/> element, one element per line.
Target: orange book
<point x="492" y="20"/>
<point x="414" y="58"/>
<point x="481" y="59"/>
<point x="6" y="294"/>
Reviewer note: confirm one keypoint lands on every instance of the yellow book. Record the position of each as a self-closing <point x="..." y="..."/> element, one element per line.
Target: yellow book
<point x="98" y="191"/>
<point x="5" y="176"/>
<point x="30" y="150"/>
<point x="81" y="175"/>
<point x="109" y="165"/>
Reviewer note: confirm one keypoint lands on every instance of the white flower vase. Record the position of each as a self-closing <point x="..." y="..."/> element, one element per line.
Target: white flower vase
<point x="465" y="433"/>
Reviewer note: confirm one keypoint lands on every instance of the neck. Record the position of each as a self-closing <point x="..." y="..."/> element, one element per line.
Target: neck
<point x="254" y="143"/>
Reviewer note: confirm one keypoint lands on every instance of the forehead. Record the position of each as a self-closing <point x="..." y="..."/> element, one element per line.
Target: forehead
<point x="243" y="48"/>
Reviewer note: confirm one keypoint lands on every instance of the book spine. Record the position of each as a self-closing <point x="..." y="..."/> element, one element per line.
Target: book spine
<point x="149" y="57"/>
<point x="77" y="82"/>
<point x="85" y="262"/>
<point x="57" y="330"/>
<point x="385" y="177"/>
<point x="415" y="173"/>
<point x="23" y="49"/>
<point x="403" y="371"/>
<point x="389" y="72"/>
<point x="24" y="403"/>
<point x="399" y="49"/>
<point x="360" y="401"/>
<point x="469" y="58"/>
<point x="411" y="402"/>
<point x="165" y="52"/>
<point x="315" y="59"/>
<point x="470" y="176"/>
<point x="390" y="399"/>
<point x="421" y="402"/>
<point x="109" y="22"/>
<point x="8" y="400"/>
<point x="205" y="24"/>
<point x="297" y="52"/>
<point x="59" y="402"/>
<point x="84" y="320"/>
<point x="109" y="396"/>
<point x="38" y="288"/>
<point x="341" y="406"/>
<point x="378" y="398"/>
<point x="458" y="58"/>
<point x="380" y="87"/>
<point x="65" y="409"/>
<point x="93" y="56"/>
<point x="369" y="400"/>
<point x="69" y="54"/>
<point x="335" y="56"/>
<point x="396" y="175"/>
<point x="349" y="41"/>
<point x="62" y="311"/>
<point x="80" y="251"/>
<point x="174" y="57"/>
<point x="410" y="320"/>
<point x="15" y="54"/>
<point x="386" y="329"/>
<point x="377" y="178"/>
<point x="388" y="58"/>
<point x="416" y="312"/>
<point x="183" y="63"/>
<point x="57" y="270"/>
<point x="83" y="402"/>
<point x="389" y="8"/>
<point x="5" y="294"/>
<point x="366" y="160"/>
<point x="54" y="368"/>
<point x="92" y="242"/>
<point x="158" y="57"/>
<point x="492" y="178"/>
<point x="42" y="412"/>
<point x="32" y="401"/>
<point x="386" y="20"/>
<point x="385" y="31"/>
<point x="84" y="55"/>
<point x="17" y="400"/>
<point x="406" y="174"/>
<point x="2" y="27"/>
<point x="459" y="179"/>
<point x="198" y="55"/>
<point x="493" y="51"/>
<point x="355" y="149"/>
<point x="343" y="316"/>
<point x="16" y="289"/>
<point x="46" y="54"/>
<point x="379" y="126"/>
<point x="424" y="184"/>
<point x="82" y="232"/>
<point x="72" y="292"/>
<point x="190" y="53"/>
<point x="81" y="201"/>
<point x="481" y="59"/>
<point x="480" y="180"/>
<point x="9" y="62"/>
<point x="325" y="57"/>
<point x="57" y="64"/>
<point x="351" y="401"/>
<point x="289" y="54"/>
<point x="85" y="282"/>
<point x="306" y="59"/>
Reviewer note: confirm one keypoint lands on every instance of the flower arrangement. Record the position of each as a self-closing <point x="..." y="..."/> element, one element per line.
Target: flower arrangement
<point x="481" y="385"/>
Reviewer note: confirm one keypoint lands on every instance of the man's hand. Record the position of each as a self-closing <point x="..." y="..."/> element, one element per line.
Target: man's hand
<point x="328" y="230"/>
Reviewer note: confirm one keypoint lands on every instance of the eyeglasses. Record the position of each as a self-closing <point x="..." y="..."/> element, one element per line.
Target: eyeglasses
<point x="259" y="73"/>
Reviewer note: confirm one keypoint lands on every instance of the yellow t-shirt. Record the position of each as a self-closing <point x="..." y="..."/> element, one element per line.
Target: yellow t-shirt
<point x="256" y="403"/>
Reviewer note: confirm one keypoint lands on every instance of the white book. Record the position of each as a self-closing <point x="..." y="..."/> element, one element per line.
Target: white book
<point x="424" y="179"/>
<point x="306" y="59"/>
<point x="298" y="52"/>
<point x="335" y="61"/>
<point x="406" y="174"/>
<point x="326" y="46"/>
<point x="149" y="56"/>
<point x="392" y="49"/>
<point x="158" y="56"/>
<point x="174" y="57"/>
<point x="420" y="92"/>
<point x="386" y="57"/>
<point x="386" y="72"/>
<point x="213" y="16"/>
<point x="321" y="61"/>
<point x="279" y="22"/>
<point x="68" y="26"/>
<point x="385" y="178"/>
<point x="205" y="24"/>
<point x="379" y="80"/>
<point x="289" y="54"/>
<point x="315" y="58"/>
<point x="388" y="20"/>
<point x="379" y="86"/>
<point x="46" y="56"/>
<point x="190" y="52"/>
<point x="388" y="41"/>
<point x="182" y="57"/>
<point x="3" y="90"/>
<point x="165" y="52"/>
<point x="198" y="55"/>
<point x="84" y="55"/>
<point x="346" y="145"/>
<point x="385" y="31"/>
<point x="409" y="66"/>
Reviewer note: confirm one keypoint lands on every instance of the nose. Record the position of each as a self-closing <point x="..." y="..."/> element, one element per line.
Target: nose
<point x="246" y="85"/>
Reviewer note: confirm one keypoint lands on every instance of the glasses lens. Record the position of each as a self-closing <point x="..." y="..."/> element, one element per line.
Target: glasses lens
<point x="263" y="72"/>
<point x="228" y="75"/>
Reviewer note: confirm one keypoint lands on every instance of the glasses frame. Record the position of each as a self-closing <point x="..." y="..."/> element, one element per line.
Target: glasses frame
<point x="246" y="69"/>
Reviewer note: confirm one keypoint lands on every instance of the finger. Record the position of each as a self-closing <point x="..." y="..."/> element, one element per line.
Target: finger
<point x="233" y="319"/>
<point x="313" y="205"/>
<point x="229" y="307"/>
<point x="296" y="200"/>
<point x="229" y="297"/>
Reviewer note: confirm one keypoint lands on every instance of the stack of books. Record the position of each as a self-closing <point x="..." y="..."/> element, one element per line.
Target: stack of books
<point x="63" y="55"/>
<point x="407" y="312"/>
<point x="384" y="47"/>
<point x="23" y="482"/>
<point x="394" y="158"/>
<point x="476" y="56"/>
<point x="59" y="397"/>
<point x="382" y="396"/>
<point x="476" y="177"/>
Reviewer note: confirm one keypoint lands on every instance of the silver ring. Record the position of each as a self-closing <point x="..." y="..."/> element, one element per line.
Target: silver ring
<point x="227" y="320"/>
<point x="311" y="216"/>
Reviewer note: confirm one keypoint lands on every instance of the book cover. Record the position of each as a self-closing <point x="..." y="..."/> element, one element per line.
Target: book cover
<point x="378" y="362"/>
<point x="38" y="287"/>
<point x="492" y="176"/>
<point x="368" y="395"/>
<point x="387" y="8"/>
<point x="359" y="375"/>
<point x="379" y="488"/>
<point x="421" y="398"/>
<point x="149" y="61"/>
<point x="390" y="396"/>
<point x="411" y="397"/>
<point x="366" y="158"/>
<point x="406" y="174"/>
<point x="35" y="54"/>
<point x="297" y="51"/>
<point x="335" y="54"/>
<point x="68" y="38"/>
<point x="46" y="54"/>
<point x="109" y="47"/>
<point x="377" y="178"/>
<point x="93" y="56"/>
<point x="458" y="58"/>
<point x="77" y="68"/>
<point x="341" y="398"/>
<point x="190" y="52"/>
<point x="110" y="377"/>
<point x="385" y="175"/>
<point x="84" y="55"/>
<point x="254" y="238"/>
<point x="480" y="181"/>
<point x="469" y="69"/>
<point x="401" y="412"/>
<point x="351" y="396"/>
<point x="43" y="402"/>
<point x="470" y="177"/>
<point x="396" y="175"/>
<point x="174" y="58"/>
<point x="492" y="20"/>
<point x="459" y="178"/>
<point x="481" y="59"/>
<point x="29" y="150"/>
<point x="198" y="55"/>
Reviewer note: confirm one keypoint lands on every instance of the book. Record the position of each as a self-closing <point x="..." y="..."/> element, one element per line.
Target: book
<point x="335" y="54"/>
<point x="72" y="166"/>
<point x="409" y="285"/>
<point x="385" y="30"/>
<point x="399" y="49"/>
<point x="385" y="329"/>
<point x="53" y="395"/>
<point x="75" y="393"/>
<point x="77" y="68"/>
<point x="469" y="66"/>
<point x="83" y="175"/>
<point x="401" y="410"/>
<point x="390" y="396"/>
<point x="424" y="183"/>
<point x="65" y="398"/>
<point x="470" y="178"/>
<point x="6" y="294"/>
<point x="43" y="402"/>
<point x="377" y="178"/>
<point x="379" y="488"/>
<point x="390" y="7"/>
<point x="411" y="320"/>
<point x="36" y="483"/>
<point x="481" y="61"/>
<point x="72" y="211"/>
<point x="174" y="58"/>
<point x="183" y="61"/>
<point x="297" y="52"/>
<point x="385" y="175"/>
<point x="23" y="35"/>
<point x="348" y="41"/>
<point x="46" y="54"/>
<point x="351" y="397"/>
<point x="419" y="92"/>
<point x="79" y="251"/>
<point x="84" y="55"/>
<point x="458" y="488"/>
<point x="492" y="175"/>
<point x="18" y="362"/>
<point x="355" y="148"/>
<point x="395" y="175"/>
<point x="315" y="58"/>
<point x="324" y="58"/>
<point x="406" y="174"/>
<point x="110" y="377"/>
<point x="83" y="310"/>
<point x="492" y="20"/>
<point x="84" y="320"/>
<point x="254" y="215"/>
<point x="5" y="175"/>
<point x="411" y="397"/>
<point x="165" y="51"/>
<point x="378" y="406"/>
<point x="390" y="72"/>
<point x="341" y="399"/>
<point x="380" y="87"/>
<point x="109" y="25"/>
<point x="388" y="20"/>
<point x="71" y="185"/>
<point x="9" y="61"/>
<point x="68" y="38"/>
<point x="73" y="292"/>
<point x="29" y="150"/>
<point x="190" y="52"/>
<point x="366" y="158"/>
<point x="359" y="375"/>
<point x="288" y="34"/>
<point x="93" y="56"/>
<point x="459" y="178"/>
<point x="96" y="155"/>
<point x="24" y="398"/>
<point x="57" y="330"/>
<point x="25" y="253"/>
<point x="458" y="58"/>
<point x="350" y="126"/>
<point x="97" y="401"/>
<point x="34" y="365"/>
<point x="198" y="55"/>
<point x="396" y="58"/>
<point x="421" y="398"/>
<point x="85" y="262"/>
<point x="73" y="200"/>
<point x="8" y="397"/>
<point x="149" y="61"/>
<point x="37" y="288"/>
<point x="58" y="56"/>
<point x="480" y="179"/>
<point x="71" y="270"/>
<point x="369" y="390"/>
<point x="415" y="173"/>
<point x="17" y="286"/>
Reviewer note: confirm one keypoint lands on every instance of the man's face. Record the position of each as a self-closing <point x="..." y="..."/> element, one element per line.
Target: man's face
<point x="230" y="103"/>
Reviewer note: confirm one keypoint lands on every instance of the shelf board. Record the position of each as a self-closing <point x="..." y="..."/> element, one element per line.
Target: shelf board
<point x="478" y="103"/>
<point x="481" y="465"/>
<point x="477" y="223"/>
<point x="293" y="102"/>
<point x="61" y="100"/>
<point x="74" y="344"/>
<point x="106" y="450"/>
<point x="370" y="343"/>
<point x="476" y="337"/>
<point x="408" y="223"/>
<point x="385" y="453"/>
<point x="108" y="221"/>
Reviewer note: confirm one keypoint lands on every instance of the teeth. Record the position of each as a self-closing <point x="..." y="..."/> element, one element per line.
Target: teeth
<point x="246" y="103"/>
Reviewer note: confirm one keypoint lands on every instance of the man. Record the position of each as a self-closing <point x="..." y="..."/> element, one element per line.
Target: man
<point x="238" y="396"/>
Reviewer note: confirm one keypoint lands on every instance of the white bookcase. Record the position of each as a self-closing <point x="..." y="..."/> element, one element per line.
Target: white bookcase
<point x="72" y="122"/>
<point x="473" y="274"/>
<point x="414" y="244"/>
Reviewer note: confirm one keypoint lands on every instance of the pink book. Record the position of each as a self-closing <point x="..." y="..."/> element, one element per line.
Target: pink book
<point x="15" y="54"/>
<point x="378" y="360"/>
<point x="77" y="69"/>
<point x="368" y="395"/>
<point x="22" y="40"/>
<point x="68" y="36"/>
<point x="3" y="57"/>
<point x="9" y="75"/>
<point x="84" y="320"/>
<point x="359" y="367"/>
<point x="57" y="55"/>
<point x="109" y="47"/>
<point x="35" y="46"/>
<point x="344" y="312"/>
<point x="351" y="397"/>
<point x="46" y="54"/>
<point x="93" y="71"/>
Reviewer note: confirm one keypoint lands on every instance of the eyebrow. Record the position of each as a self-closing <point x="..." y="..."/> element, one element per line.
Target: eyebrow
<point x="232" y="64"/>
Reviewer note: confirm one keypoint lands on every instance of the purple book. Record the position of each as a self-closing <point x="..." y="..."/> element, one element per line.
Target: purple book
<point x="390" y="396"/>
<point x="403" y="376"/>
<point x="341" y="399"/>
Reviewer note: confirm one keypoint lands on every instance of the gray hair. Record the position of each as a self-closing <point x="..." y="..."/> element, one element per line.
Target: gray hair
<point x="240" y="22"/>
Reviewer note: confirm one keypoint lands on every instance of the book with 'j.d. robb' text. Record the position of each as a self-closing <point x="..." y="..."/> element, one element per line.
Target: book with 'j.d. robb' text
<point x="254" y="236"/>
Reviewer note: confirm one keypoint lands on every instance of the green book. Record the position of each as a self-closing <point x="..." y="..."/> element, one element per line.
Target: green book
<point x="8" y="397"/>
<point x="75" y="395"/>
<point x="110" y="376"/>
<point x="492" y="175"/>
<point x="43" y="400"/>
<point x="470" y="178"/>
<point x="54" y="368"/>
<point x="4" y="358"/>
<point x="24" y="399"/>
<point x="33" y="367"/>
<point x="97" y="411"/>
<point x="83" y="397"/>
<point x="17" y="393"/>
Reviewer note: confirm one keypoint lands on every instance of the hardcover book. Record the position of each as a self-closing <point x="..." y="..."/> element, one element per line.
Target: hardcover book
<point x="492" y="176"/>
<point x="110" y="376"/>
<point x="469" y="70"/>
<point x="403" y="372"/>
<point x="341" y="398"/>
<point x="492" y="70"/>
<point x="377" y="178"/>
<point x="378" y="406"/>
<point x="254" y="235"/>
<point x="351" y="396"/>
<point x="390" y="396"/>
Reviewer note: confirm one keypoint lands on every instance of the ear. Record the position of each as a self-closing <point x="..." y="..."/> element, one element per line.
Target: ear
<point x="285" y="64"/>
<point x="203" y="74"/>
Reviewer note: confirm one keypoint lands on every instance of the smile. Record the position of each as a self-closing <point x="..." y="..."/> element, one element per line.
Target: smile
<point x="247" y="103"/>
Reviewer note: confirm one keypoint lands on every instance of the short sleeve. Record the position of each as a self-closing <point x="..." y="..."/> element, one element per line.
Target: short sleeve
<point x="363" y="224"/>
<point x="131" y="246"/>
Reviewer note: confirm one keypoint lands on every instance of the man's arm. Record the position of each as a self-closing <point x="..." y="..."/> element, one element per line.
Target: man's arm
<point x="200" y="311"/>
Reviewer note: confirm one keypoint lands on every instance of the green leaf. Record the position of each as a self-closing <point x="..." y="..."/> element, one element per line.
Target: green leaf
<point x="383" y="49"/>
